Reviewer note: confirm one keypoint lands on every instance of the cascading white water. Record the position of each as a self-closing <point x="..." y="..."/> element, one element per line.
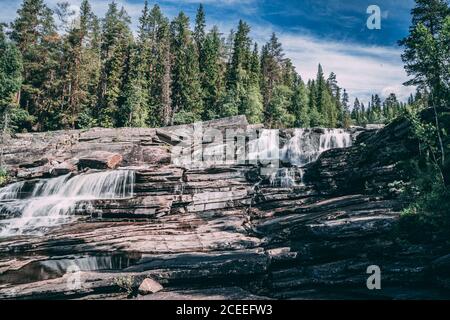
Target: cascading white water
<point x="265" y="147"/>
<point x="306" y="146"/>
<point x="52" y="201"/>
<point x="283" y="177"/>
<point x="12" y="191"/>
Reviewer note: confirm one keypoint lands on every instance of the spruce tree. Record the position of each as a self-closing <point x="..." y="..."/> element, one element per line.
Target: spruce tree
<point x="278" y="115"/>
<point x="153" y="63"/>
<point x="11" y="69"/>
<point x="186" y="90"/>
<point x="213" y="74"/>
<point x="34" y="32"/>
<point x="316" y="119"/>
<point x="81" y="69"/>
<point x="426" y="47"/>
<point x="239" y="75"/>
<point x="199" y="31"/>
<point x="272" y="59"/>
<point x="300" y="105"/>
<point x="346" y="116"/>
<point x="356" y="112"/>
<point x="115" y="54"/>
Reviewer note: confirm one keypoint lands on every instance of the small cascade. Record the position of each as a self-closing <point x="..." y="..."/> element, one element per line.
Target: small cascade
<point x="334" y="139"/>
<point x="265" y="147"/>
<point x="284" y="178"/>
<point x="11" y="191"/>
<point x="306" y="145"/>
<point x="53" y="201"/>
<point x="287" y="177"/>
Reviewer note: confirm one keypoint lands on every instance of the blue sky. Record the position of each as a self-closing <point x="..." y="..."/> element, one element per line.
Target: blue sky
<point x="330" y="32"/>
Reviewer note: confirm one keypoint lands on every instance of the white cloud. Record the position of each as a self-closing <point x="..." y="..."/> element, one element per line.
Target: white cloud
<point x="362" y="70"/>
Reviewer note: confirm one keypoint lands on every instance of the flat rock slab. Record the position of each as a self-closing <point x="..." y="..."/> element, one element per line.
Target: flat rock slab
<point x="227" y="293"/>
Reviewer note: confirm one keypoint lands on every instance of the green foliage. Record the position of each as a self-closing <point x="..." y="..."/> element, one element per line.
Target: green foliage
<point x="427" y="48"/>
<point x="300" y="103"/>
<point x="252" y="105"/>
<point x="115" y="51"/>
<point x="186" y="89"/>
<point x="4" y="178"/>
<point x="20" y="120"/>
<point x="277" y="112"/>
<point x="186" y="117"/>
<point x="212" y="72"/>
<point x="125" y="283"/>
<point x="95" y="72"/>
<point x="10" y="70"/>
<point x="430" y="205"/>
<point x="35" y="34"/>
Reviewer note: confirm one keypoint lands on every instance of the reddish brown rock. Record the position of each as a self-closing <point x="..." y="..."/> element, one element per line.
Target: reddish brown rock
<point x="100" y="160"/>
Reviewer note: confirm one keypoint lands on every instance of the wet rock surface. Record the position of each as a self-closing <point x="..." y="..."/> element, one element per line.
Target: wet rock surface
<point x="219" y="231"/>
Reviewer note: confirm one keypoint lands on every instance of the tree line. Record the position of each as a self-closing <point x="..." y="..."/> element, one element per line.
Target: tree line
<point x="80" y="71"/>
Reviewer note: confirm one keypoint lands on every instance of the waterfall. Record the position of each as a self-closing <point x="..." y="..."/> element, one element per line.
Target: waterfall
<point x="284" y="178"/>
<point x="265" y="147"/>
<point x="306" y="146"/>
<point x="303" y="148"/>
<point x="53" y="201"/>
<point x="12" y="191"/>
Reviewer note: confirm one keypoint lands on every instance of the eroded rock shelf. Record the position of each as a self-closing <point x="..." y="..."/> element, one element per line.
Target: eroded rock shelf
<point x="219" y="231"/>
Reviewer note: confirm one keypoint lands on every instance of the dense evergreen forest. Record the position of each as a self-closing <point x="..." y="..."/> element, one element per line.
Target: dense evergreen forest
<point x="62" y="70"/>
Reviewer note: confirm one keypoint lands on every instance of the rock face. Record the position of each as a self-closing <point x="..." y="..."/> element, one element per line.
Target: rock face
<point x="226" y="229"/>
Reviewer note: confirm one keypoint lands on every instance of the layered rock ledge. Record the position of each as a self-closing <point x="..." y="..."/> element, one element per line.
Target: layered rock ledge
<point x="220" y="230"/>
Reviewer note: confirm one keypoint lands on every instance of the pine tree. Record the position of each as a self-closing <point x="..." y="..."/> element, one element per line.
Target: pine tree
<point x="153" y="68"/>
<point x="164" y="87"/>
<point x="238" y="76"/>
<point x="240" y="59"/>
<point x="426" y="47"/>
<point x="272" y="59"/>
<point x="376" y="109"/>
<point x="356" y="112"/>
<point x="186" y="89"/>
<point x="316" y="119"/>
<point x="335" y="91"/>
<point x="253" y="101"/>
<point x="115" y="54"/>
<point x="81" y="68"/>
<point x="11" y="69"/>
<point x="199" y="31"/>
<point x="346" y="116"/>
<point x="134" y="100"/>
<point x="277" y="112"/>
<point x="300" y="105"/>
<point x="391" y="107"/>
<point x="34" y="32"/>
<point x="213" y="74"/>
<point x="325" y="102"/>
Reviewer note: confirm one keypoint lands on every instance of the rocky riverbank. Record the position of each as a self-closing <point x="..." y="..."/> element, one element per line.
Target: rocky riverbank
<point x="309" y="229"/>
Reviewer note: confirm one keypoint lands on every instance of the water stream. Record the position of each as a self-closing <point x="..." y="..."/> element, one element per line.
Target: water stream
<point x="53" y="202"/>
<point x="305" y="147"/>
